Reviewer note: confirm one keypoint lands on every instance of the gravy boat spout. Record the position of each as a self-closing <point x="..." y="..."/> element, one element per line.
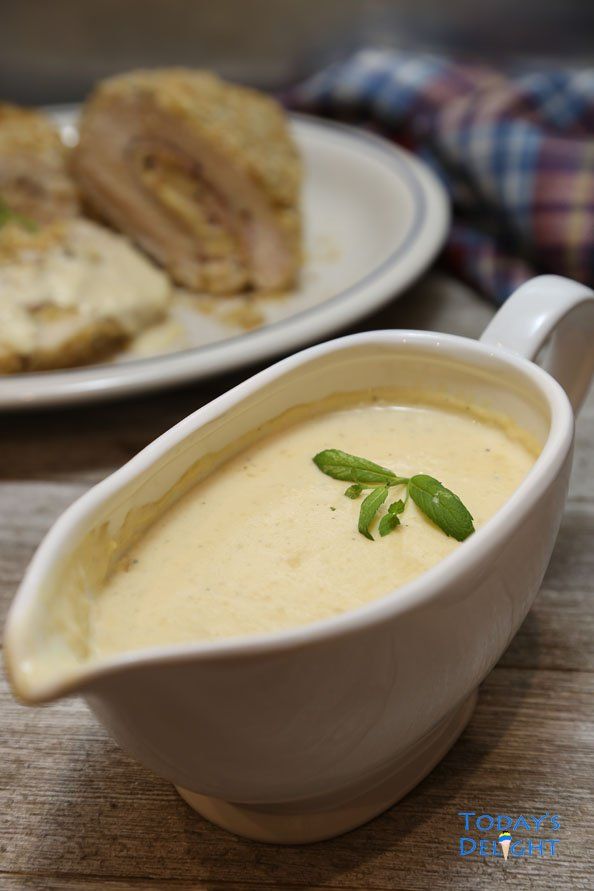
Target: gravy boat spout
<point x="303" y="734"/>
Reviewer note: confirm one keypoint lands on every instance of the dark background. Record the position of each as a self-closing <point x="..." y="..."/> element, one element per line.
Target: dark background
<point x="53" y="50"/>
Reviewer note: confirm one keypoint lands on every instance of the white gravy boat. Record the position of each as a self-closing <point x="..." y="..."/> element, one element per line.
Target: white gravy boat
<point x="304" y="734"/>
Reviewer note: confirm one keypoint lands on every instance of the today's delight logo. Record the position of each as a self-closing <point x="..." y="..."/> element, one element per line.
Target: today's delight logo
<point x="501" y="835"/>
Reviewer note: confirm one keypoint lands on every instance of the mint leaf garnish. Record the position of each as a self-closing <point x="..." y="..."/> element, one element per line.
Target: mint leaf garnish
<point x="442" y="506"/>
<point x="369" y="508"/>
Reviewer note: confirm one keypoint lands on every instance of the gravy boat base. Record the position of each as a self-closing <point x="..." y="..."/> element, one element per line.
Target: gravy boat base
<point x="324" y="818"/>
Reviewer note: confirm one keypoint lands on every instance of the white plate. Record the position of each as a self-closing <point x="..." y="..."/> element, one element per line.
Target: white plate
<point x="374" y="216"/>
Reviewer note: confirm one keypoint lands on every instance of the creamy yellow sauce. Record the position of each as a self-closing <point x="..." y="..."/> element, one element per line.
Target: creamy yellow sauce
<point x="268" y="542"/>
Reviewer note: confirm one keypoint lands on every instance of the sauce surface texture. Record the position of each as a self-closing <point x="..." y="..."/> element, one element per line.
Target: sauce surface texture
<point x="267" y="542"/>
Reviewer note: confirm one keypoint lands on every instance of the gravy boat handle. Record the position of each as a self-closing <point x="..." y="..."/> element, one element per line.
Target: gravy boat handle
<point x="544" y="306"/>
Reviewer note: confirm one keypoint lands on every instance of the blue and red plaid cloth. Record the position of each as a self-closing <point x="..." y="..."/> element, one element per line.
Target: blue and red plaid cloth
<point x="515" y="151"/>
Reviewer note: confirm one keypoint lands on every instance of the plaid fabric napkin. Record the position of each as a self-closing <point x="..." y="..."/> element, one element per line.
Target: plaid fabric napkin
<point x="515" y="151"/>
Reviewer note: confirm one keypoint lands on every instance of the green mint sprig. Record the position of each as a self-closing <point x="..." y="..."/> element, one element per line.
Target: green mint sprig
<point x="7" y="215"/>
<point x="439" y="504"/>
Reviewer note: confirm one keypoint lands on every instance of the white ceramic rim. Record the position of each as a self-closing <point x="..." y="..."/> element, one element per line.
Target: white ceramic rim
<point x="424" y="238"/>
<point x="400" y="600"/>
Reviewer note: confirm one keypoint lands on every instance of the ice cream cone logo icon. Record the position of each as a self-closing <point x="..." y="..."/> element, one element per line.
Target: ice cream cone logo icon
<point x="505" y="841"/>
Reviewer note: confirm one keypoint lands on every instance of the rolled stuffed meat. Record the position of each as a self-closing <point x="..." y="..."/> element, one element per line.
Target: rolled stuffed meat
<point x="203" y="175"/>
<point x="71" y="292"/>
<point x="34" y="179"/>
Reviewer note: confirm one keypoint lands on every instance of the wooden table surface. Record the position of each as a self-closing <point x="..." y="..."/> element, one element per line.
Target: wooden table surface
<point x="75" y="812"/>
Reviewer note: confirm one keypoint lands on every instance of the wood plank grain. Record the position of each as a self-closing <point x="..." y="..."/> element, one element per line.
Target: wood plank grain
<point x="72" y="804"/>
<point x="12" y="881"/>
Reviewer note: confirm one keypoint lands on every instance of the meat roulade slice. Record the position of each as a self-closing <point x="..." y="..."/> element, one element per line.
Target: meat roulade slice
<point x="203" y="175"/>
<point x="72" y="292"/>
<point x="34" y="177"/>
